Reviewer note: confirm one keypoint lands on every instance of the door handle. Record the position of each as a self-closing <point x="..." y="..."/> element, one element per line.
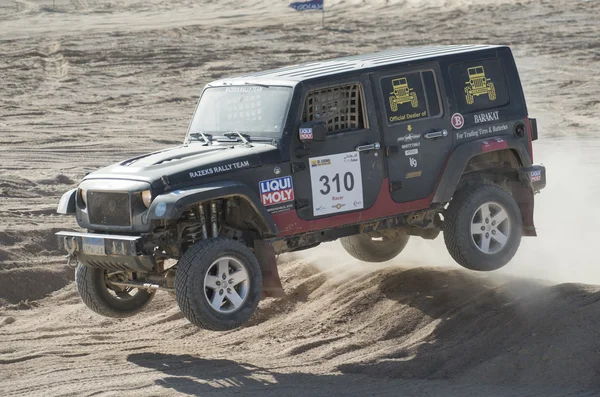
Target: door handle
<point x="372" y="146"/>
<point x="437" y="134"/>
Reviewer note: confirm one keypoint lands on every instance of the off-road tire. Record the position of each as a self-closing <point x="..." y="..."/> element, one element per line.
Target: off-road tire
<point x="189" y="284"/>
<point x="457" y="227"/>
<point x="469" y="98"/>
<point x="492" y="92"/>
<point x="414" y="102"/>
<point x="91" y="285"/>
<point x="364" y="248"/>
<point x="393" y="104"/>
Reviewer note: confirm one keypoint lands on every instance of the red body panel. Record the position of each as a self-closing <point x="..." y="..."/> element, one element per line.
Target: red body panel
<point x="289" y="223"/>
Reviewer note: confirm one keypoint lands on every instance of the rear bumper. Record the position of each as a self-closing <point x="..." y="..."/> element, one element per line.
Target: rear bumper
<point x="535" y="176"/>
<point x="107" y="251"/>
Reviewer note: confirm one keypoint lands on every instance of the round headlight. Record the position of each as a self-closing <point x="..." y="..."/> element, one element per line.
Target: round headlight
<point x="83" y="195"/>
<point x="147" y="198"/>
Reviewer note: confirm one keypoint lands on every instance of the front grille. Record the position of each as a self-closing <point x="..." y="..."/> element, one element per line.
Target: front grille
<point x="111" y="209"/>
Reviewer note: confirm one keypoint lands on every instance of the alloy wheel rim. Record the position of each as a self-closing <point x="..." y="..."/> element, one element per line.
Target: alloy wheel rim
<point x="490" y="228"/>
<point x="226" y="284"/>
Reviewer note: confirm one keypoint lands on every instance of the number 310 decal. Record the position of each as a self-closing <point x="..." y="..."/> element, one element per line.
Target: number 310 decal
<point x="336" y="183"/>
<point x="348" y="182"/>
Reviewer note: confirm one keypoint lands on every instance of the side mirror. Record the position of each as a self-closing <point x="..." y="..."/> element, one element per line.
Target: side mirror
<point x="312" y="131"/>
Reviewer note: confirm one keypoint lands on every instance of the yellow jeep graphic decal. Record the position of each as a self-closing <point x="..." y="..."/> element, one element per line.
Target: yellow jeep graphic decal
<point x="478" y="84"/>
<point x="402" y="94"/>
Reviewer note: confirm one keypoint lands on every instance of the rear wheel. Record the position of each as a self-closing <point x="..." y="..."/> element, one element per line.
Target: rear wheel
<point x="375" y="246"/>
<point x="96" y="291"/>
<point x="218" y="284"/>
<point x="482" y="227"/>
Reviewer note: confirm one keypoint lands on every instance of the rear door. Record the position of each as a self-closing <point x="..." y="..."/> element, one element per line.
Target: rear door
<point x="344" y="173"/>
<point x="416" y="129"/>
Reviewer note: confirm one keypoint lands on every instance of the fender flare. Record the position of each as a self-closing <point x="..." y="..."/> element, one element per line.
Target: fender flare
<point x="172" y="204"/>
<point x="66" y="205"/>
<point x="461" y="156"/>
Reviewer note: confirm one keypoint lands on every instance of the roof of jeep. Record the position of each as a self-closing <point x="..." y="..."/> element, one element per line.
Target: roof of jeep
<point x="292" y="75"/>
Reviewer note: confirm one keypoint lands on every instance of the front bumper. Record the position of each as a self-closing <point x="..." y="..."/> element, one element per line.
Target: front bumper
<point x="107" y="251"/>
<point x="535" y="176"/>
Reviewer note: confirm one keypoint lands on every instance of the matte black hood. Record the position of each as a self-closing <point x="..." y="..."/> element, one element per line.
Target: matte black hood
<point x="189" y="164"/>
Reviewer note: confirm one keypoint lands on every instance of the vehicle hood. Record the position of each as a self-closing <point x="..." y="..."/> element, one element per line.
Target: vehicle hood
<point x="187" y="165"/>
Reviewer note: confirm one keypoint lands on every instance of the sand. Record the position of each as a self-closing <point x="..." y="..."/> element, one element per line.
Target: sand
<point x="88" y="83"/>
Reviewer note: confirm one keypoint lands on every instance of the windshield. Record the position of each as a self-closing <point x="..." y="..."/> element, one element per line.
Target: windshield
<point x="255" y="110"/>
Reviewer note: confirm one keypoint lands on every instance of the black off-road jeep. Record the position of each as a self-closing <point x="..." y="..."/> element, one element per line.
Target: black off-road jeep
<point x="283" y="160"/>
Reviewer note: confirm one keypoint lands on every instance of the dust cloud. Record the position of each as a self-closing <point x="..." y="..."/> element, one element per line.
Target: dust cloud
<point x="566" y="217"/>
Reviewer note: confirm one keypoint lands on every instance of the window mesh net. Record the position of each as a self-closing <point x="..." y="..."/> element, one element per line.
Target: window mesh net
<point x="248" y="110"/>
<point x="340" y="108"/>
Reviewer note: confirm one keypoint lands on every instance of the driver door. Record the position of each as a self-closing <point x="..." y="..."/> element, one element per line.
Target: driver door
<point x="344" y="173"/>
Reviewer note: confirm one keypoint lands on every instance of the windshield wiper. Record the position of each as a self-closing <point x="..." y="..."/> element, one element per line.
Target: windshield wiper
<point x="206" y="137"/>
<point x="242" y="136"/>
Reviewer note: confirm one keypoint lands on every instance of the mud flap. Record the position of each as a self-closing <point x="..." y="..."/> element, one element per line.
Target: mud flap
<point x="524" y="197"/>
<point x="265" y="254"/>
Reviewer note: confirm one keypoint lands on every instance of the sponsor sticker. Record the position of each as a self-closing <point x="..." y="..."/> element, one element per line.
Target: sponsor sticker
<point x="411" y="152"/>
<point x="458" y="121"/>
<point x="486" y="117"/>
<point x="480" y="132"/>
<point x="276" y="190"/>
<point x="306" y="134"/>
<point x="408" y="137"/>
<point x="414" y="174"/>
<point x="219" y="169"/>
<point x="320" y="162"/>
<point x="493" y="144"/>
<point x="244" y="89"/>
<point x="275" y="209"/>
<point x="411" y="145"/>
<point x="535" y="176"/>
<point x="351" y="157"/>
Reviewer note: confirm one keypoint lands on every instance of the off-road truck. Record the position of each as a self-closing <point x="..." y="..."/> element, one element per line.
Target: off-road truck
<point x="478" y="84"/>
<point x="286" y="159"/>
<point x="402" y="94"/>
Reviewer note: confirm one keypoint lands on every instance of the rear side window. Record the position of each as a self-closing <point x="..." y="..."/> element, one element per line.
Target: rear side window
<point x="410" y="96"/>
<point x="479" y="85"/>
<point x="341" y="107"/>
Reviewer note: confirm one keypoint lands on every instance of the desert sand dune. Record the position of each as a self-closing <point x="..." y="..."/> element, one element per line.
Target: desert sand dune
<point x="88" y="83"/>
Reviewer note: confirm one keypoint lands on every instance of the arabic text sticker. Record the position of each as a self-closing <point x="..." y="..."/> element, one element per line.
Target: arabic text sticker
<point x="336" y="183"/>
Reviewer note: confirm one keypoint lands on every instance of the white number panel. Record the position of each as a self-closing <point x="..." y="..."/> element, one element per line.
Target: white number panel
<point x="336" y="183"/>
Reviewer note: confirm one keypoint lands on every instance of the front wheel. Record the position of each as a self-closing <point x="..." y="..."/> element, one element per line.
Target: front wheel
<point x="492" y="92"/>
<point x="393" y="104"/>
<point x="218" y="284"/>
<point x="96" y="291"/>
<point x="414" y="101"/>
<point x="482" y="227"/>
<point x="375" y="246"/>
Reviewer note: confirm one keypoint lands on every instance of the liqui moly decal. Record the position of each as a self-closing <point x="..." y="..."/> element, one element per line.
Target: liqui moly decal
<point x="276" y="190"/>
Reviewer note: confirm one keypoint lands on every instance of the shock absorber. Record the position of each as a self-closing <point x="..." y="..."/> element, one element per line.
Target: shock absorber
<point x="202" y="221"/>
<point x="214" y="219"/>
